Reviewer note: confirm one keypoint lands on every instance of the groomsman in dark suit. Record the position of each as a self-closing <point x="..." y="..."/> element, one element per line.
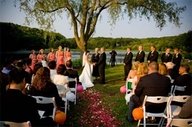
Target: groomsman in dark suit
<point x="101" y="63"/>
<point x="140" y="55"/>
<point x="127" y="62"/>
<point x="167" y="56"/>
<point x="177" y="57"/>
<point x="153" y="55"/>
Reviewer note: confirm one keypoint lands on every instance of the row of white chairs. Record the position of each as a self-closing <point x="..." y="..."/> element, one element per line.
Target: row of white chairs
<point x="170" y="112"/>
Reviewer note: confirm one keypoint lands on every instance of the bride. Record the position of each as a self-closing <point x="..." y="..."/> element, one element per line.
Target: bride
<point x="86" y="76"/>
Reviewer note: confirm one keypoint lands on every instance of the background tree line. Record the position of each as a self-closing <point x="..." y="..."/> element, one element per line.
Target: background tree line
<point x="15" y="37"/>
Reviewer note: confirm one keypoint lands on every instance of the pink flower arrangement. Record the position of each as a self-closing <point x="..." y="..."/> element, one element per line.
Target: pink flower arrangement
<point x="96" y="115"/>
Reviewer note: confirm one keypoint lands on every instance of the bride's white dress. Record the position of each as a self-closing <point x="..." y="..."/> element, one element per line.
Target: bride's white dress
<point x="86" y="76"/>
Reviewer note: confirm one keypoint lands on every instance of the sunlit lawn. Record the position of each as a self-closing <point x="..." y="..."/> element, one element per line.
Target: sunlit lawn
<point x="111" y="98"/>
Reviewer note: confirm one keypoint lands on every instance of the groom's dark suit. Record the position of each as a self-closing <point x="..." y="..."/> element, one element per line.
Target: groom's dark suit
<point x="102" y="63"/>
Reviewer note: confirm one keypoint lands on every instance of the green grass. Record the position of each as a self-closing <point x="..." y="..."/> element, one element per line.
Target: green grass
<point x="111" y="98"/>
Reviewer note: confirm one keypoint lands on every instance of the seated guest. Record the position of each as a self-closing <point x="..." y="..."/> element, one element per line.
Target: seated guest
<point x="61" y="79"/>
<point x="52" y="68"/>
<point x="164" y="71"/>
<point x="16" y="106"/>
<point x="43" y="86"/>
<point x="70" y="72"/>
<point x="153" y="84"/>
<point x="184" y="79"/>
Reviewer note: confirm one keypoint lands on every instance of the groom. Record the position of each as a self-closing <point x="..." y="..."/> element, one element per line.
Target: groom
<point x="101" y="65"/>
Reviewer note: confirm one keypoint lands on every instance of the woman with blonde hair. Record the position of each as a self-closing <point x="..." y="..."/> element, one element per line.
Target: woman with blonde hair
<point x="133" y="71"/>
<point x="164" y="71"/>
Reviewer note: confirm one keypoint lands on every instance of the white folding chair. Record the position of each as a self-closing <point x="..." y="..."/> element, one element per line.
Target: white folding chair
<point x="129" y="90"/>
<point x="15" y="124"/>
<point x="181" y="122"/>
<point x="74" y="89"/>
<point x="46" y="100"/>
<point x="60" y="89"/>
<point x="177" y="88"/>
<point x="174" y="110"/>
<point x="154" y="100"/>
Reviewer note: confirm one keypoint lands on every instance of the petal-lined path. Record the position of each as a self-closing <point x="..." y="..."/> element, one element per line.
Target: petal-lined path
<point x="91" y="112"/>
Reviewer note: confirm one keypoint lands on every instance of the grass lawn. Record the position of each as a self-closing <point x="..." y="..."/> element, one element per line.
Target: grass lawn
<point x="110" y="97"/>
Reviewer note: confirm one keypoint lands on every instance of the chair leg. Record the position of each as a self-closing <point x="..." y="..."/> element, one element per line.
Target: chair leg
<point x="138" y="124"/>
<point x="144" y="121"/>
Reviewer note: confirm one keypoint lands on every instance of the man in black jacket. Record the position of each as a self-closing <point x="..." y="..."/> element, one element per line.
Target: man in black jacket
<point x="140" y="55"/>
<point x="102" y="63"/>
<point x="153" y="55"/>
<point x="153" y="84"/>
<point x="127" y="62"/>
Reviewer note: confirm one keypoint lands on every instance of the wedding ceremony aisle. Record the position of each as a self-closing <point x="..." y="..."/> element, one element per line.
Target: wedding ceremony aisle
<point x="101" y="105"/>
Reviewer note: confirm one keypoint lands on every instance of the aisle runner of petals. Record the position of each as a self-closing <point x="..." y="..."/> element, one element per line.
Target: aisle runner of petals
<point x="96" y="115"/>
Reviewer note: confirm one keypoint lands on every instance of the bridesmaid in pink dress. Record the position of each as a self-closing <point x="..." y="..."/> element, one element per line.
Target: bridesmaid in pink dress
<point x="41" y="56"/>
<point x="68" y="54"/>
<point x="51" y="55"/>
<point x="33" y="57"/>
<point x="59" y="56"/>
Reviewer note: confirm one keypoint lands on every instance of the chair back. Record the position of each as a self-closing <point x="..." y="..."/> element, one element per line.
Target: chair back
<point x="175" y="109"/>
<point x="61" y="90"/>
<point x="15" y="124"/>
<point x="44" y="102"/>
<point x="73" y="89"/>
<point x="178" y="88"/>
<point x="155" y="100"/>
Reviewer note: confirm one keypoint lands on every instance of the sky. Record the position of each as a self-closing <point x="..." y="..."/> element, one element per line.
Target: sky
<point x="135" y="28"/>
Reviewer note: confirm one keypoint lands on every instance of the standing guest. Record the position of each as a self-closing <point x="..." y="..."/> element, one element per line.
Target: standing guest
<point x="167" y="56"/>
<point x="51" y="55"/>
<point x="127" y="62"/>
<point x="41" y="56"/>
<point x="16" y="106"/>
<point x="153" y="55"/>
<point x="33" y="57"/>
<point x="140" y="55"/>
<point x="177" y="57"/>
<point x="153" y="84"/>
<point x="59" y="56"/>
<point x="101" y="64"/>
<point x="184" y="79"/>
<point x="95" y="59"/>
<point x="113" y="57"/>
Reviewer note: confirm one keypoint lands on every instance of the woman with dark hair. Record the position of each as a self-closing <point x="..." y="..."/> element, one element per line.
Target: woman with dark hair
<point x="43" y="86"/>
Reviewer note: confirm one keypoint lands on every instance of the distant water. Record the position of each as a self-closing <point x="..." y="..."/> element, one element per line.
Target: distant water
<point x="75" y="55"/>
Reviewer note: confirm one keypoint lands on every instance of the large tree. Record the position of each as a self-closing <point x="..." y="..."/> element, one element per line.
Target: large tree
<point x="84" y="14"/>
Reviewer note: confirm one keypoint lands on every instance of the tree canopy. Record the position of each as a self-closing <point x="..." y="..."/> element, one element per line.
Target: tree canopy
<point x="84" y="14"/>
